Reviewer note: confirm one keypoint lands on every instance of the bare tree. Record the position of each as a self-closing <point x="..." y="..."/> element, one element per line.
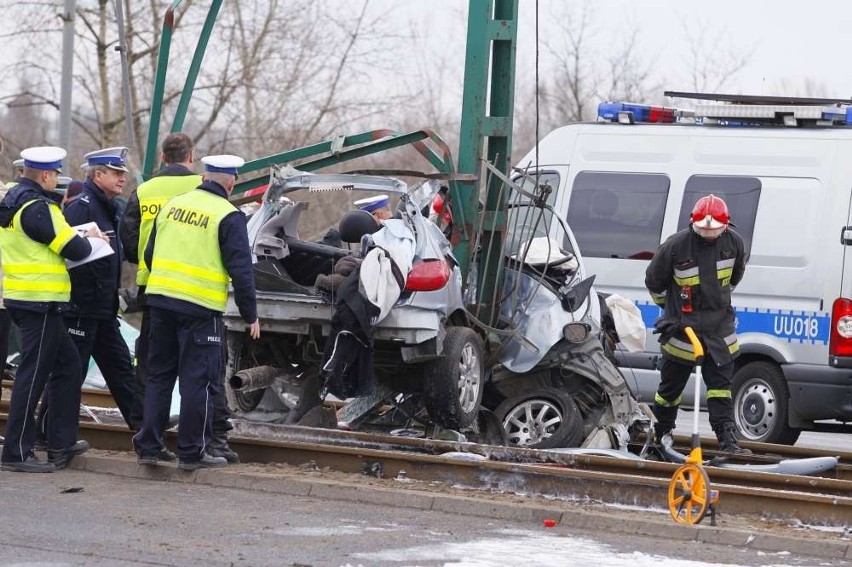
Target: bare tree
<point x="277" y="73"/>
<point x="713" y="60"/>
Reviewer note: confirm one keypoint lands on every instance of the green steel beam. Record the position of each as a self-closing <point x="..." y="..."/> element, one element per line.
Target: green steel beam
<point x="195" y="66"/>
<point x="489" y="76"/>
<point x="367" y="143"/>
<point x="159" y="88"/>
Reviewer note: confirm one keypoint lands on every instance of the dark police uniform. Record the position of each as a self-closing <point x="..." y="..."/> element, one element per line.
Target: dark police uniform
<point x="142" y="208"/>
<point x="692" y="278"/>
<point x="199" y="241"/>
<point x="35" y="238"/>
<point x="92" y="318"/>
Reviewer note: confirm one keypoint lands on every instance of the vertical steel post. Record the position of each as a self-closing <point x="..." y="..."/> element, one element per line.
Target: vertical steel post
<point x="197" y="58"/>
<point x="67" y="74"/>
<point x="125" y="73"/>
<point x="489" y="77"/>
<point x="159" y="88"/>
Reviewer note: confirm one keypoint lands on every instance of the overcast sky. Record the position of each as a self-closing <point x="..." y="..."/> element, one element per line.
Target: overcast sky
<point x="793" y="43"/>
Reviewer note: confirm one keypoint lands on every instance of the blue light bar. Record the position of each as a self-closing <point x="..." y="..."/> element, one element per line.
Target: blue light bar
<point x="609" y="111"/>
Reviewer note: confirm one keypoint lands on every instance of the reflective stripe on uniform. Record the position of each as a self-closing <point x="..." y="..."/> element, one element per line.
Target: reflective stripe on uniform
<point x="718" y="394"/>
<point x="659" y="298"/>
<point x="687" y="277"/>
<point x="732" y="342"/>
<point x="665" y="403"/>
<point x="724" y="270"/>
<point x="680" y="349"/>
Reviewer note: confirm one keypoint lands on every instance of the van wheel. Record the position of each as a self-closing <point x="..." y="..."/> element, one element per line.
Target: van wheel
<point x="453" y="384"/>
<point x="543" y="419"/>
<point x="239" y="402"/>
<point x="760" y="404"/>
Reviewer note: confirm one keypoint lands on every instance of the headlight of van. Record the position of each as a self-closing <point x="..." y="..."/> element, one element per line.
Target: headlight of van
<point x="578" y="332"/>
<point x="844" y="327"/>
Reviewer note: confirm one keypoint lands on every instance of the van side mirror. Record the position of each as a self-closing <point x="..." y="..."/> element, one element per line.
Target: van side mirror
<point x="846" y="235"/>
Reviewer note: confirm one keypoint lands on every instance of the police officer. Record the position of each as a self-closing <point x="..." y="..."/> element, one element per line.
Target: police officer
<point x="199" y="242"/>
<point x="92" y="318"/>
<point x="692" y="276"/>
<point x="34" y="240"/>
<point x="378" y="206"/>
<point x="176" y="178"/>
<point x="18" y="166"/>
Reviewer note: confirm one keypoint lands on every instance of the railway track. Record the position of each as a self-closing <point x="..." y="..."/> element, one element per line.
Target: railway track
<point x="812" y="500"/>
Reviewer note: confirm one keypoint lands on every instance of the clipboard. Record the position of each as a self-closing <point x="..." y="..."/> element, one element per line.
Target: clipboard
<point x="100" y="247"/>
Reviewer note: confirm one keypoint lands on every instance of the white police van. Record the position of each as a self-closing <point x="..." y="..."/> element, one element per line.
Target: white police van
<point x="784" y="167"/>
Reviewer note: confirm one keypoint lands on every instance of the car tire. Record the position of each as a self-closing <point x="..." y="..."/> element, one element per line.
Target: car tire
<point x="453" y="384"/>
<point x="543" y="419"/>
<point x="238" y="402"/>
<point x="761" y="398"/>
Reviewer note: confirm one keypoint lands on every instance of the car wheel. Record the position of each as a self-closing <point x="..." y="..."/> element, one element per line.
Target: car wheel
<point x="453" y="383"/>
<point x="543" y="419"/>
<point x="239" y="402"/>
<point x="760" y="404"/>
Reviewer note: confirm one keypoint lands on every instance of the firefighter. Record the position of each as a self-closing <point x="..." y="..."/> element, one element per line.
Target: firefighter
<point x="176" y="178"/>
<point x="198" y="243"/>
<point x="35" y="239"/>
<point x="691" y="277"/>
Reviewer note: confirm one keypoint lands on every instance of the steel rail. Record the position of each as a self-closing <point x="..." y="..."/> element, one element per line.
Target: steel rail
<point x="568" y="477"/>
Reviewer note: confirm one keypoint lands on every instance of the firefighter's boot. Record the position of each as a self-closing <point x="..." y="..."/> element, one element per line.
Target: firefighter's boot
<point x="728" y="441"/>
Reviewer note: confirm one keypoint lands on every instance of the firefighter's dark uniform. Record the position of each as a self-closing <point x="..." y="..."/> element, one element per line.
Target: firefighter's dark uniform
<point x="142" y="208"/>
<point x="199" y="241"/>
<point x="35" y="239"/>
<point x="92" y="318"/>
<point x="692" y="279"/>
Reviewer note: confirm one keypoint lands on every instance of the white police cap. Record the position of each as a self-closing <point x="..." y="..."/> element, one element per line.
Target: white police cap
<point x="372" y="203"/>
<point x="113" y="158"/>
<point x="18" y="163"/>
<point x="48" y="158"/>
<point x="223" y="164"/>
<point x="64" y="181"/>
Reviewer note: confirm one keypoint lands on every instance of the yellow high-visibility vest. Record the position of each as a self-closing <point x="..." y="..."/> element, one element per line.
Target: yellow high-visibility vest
<point x="153" y="194"/>
<point x="187" y="262"/>
<point x="33" y="271"/>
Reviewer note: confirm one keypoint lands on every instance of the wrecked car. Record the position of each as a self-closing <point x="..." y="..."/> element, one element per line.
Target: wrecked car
<point x="412" y="336"/>
<point x="556" y="384"/>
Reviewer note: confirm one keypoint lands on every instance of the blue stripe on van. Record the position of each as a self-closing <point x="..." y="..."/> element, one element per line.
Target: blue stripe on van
<point x="793" y="326"/>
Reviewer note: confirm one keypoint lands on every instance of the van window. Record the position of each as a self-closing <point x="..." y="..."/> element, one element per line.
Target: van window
<point x="740" y="193"/>
<point x="618" y="215"/>
<point x="527" y="182"/>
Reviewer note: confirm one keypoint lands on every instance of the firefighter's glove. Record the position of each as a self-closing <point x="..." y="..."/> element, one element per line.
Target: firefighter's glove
<point x="666" y="328"/>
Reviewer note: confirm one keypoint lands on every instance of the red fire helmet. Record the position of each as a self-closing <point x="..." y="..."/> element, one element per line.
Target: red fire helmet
<point x="710" y="216"/>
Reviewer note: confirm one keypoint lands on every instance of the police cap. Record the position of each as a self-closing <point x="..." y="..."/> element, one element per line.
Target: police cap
<point x="223" y="164"/>
<point x="47" y="158"/>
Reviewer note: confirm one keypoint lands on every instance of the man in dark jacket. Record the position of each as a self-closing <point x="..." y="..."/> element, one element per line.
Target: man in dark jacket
<point x="176" y="178"/>
<point x="93" y="315"/>
<point x="692" y="276"/>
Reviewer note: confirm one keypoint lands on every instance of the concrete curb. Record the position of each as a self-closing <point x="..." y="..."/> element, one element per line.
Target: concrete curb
<point x="400" y="496"/>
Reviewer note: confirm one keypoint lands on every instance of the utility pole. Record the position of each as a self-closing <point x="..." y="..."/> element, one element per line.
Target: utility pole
<point x="125" y="73"/>
<point x="67" y="73"/>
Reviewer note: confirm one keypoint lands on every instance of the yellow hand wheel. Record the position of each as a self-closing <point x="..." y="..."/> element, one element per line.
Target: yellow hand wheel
<point x="689" y="489"/>
<point x="690" y="495"/>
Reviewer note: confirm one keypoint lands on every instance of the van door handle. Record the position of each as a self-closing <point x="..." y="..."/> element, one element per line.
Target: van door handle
<point x="846" y="235"/>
